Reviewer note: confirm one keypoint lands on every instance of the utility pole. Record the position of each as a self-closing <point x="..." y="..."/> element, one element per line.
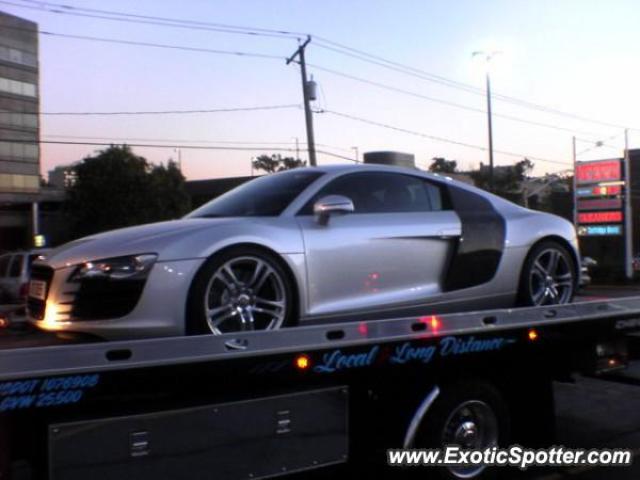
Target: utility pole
<point x="628" y="230"/>
<point x="308" y="116"/>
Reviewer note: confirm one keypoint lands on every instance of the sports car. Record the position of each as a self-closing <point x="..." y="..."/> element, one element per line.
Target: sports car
<point x="309" y="245"/>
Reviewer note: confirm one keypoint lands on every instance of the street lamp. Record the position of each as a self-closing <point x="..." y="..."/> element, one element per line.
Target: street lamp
<point x="488" y="56"/>
<point x="357" y="154"/>
<point x="297" y="147"/>
<point x="179" y="152"/>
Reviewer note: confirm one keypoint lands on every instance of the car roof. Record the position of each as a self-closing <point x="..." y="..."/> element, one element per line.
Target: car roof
<point x="497" y="201"/>
<point x="373" y="167"/>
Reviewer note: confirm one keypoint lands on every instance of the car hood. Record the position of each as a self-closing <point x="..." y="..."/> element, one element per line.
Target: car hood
<point x="150" y="238"/>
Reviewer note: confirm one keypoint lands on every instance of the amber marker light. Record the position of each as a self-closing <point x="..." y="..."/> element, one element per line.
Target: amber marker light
<point x="302" y="362"/>
<point x="533" y="335"/>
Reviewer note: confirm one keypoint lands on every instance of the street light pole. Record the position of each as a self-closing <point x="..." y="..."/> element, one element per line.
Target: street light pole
<point x="357" y="154"/>
<point x="487" y="58"/>
<point x="628" y="231"/>
<point x="490" y="130"/>
<point x="575" y="183"/>
<point x="177" y="150"/>
<point x="297" y="148"/>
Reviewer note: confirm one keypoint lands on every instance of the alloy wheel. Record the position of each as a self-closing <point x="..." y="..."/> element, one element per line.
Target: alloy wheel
<point x="245" y="293"/>
<point x="550" y="278"/>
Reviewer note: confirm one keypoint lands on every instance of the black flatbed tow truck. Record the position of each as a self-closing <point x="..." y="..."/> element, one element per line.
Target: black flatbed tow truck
<point x="267" y="404"/>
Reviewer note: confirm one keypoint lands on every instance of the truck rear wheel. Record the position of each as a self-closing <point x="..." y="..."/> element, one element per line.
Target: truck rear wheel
<point x="472" y="415"/>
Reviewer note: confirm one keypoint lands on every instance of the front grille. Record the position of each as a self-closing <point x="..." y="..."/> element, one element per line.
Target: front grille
<point x="36" y="307"/>
<point x="41" y="272"/>
<point x="101" y="299"/>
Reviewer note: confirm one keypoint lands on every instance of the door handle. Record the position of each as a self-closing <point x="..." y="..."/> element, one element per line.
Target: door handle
<point x="449" y="233"/>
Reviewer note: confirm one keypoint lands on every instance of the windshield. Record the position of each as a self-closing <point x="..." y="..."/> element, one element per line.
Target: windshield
<point x="265" y="196"/>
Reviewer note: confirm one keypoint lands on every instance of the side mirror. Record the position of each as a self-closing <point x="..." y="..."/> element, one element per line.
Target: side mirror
<point x="332" y="205"/>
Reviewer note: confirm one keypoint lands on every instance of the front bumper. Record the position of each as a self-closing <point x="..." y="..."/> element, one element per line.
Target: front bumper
<point x="159" y="310"/>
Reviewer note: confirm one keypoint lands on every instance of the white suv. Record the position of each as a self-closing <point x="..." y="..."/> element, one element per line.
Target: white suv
<point x="14" y="275"/>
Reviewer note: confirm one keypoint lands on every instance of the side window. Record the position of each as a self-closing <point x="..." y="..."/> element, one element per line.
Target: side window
<point x="375" y="192"/>
<point x="4" y="263"/>
<point x="16" y="266"/>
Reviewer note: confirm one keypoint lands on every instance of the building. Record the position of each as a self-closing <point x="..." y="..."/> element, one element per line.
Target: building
<point x="62" y="176"/>
<point x="19" y="132"/>
<point x="201" y="191"/>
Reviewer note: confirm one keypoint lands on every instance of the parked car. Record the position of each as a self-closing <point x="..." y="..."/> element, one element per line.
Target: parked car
<point x="309" y="245"/>
<point x="586" y="265"/>
<point x="14" y="275"/>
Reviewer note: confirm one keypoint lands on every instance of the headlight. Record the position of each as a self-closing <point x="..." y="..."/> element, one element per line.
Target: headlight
<point x="135" y="267"/>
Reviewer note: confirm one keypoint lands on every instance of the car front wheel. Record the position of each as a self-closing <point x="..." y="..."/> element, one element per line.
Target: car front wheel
<point x="241" y="289"/>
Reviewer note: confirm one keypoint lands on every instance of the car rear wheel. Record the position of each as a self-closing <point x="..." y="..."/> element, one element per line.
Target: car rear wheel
<point x="548" y="276"/>
<point x="242" y="289"/>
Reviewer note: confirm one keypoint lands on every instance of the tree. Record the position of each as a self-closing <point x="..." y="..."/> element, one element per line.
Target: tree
<point x="442" y="165"/>
<point x="116" y="188"/>
<point x="276" y="163"/>
<point x="507" y="180"/>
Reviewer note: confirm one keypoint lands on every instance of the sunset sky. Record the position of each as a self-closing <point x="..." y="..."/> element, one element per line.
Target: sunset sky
<point x="576" y="56"/>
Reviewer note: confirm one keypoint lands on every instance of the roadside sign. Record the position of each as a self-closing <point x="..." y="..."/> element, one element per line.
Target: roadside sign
<point x="598" y="171"/>
<point x="599" y="230"/>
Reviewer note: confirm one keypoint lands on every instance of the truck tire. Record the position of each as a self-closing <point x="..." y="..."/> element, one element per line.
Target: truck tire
<point x="472" y="414"/>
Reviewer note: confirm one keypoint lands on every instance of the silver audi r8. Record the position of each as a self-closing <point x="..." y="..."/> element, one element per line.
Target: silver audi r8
<point x="309" y="245"/>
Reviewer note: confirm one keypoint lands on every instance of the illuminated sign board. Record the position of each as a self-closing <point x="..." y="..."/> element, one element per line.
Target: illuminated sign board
<point x="600" y="204"/>
<point x="599" y="230"/>
<point x="598" y="171"/>
<point x="599" y="191"/>
<point x="600" y="217"/>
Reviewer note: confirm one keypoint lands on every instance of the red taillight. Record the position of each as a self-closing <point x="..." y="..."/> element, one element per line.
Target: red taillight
<point x="24" y="290"/>
<point x="363" y="329"/>
<point x="432" y="321"/>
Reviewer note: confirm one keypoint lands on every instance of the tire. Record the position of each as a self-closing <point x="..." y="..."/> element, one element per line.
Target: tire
<point x="234" y="296"/>
<point x="540" y="284"/>
<point x="466" y="407"/>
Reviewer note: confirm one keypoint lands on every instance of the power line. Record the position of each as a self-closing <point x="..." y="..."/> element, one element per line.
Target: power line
<point x="172" y="141"/>
<point x="164" y="45"/>
<point x="444" y="102"/>
<point x="173" y="146"/>
<point x="150" y="20"/>
<point x="321" y="42"/>
<point x="598" y="144"/>
<point x="186" y="21"/>
<point x="436" y="138"/>
<point x="328" y="44"/>
<point x="149" y="44"/>
<point x="389" y="64"/>
<point x="318" y="67"/>
<point x="168" y="112"/>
